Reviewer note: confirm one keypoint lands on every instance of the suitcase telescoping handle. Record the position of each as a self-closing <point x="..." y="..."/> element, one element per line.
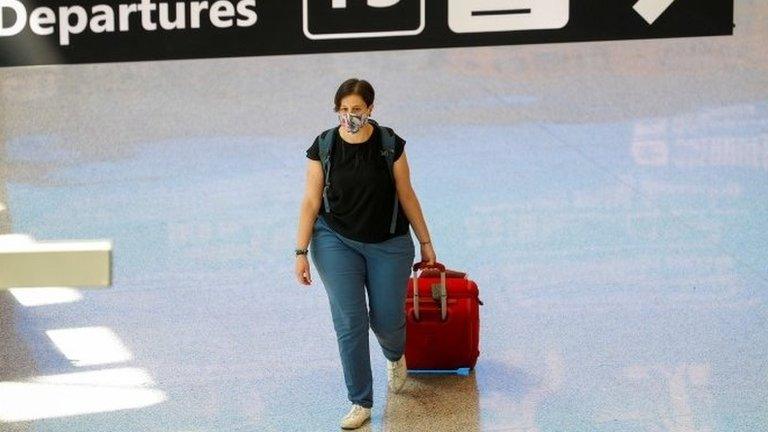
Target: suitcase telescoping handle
<point x="443" y="293"/>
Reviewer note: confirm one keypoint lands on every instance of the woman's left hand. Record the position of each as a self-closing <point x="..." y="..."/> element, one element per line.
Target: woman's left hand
<point x="428" y="254"/>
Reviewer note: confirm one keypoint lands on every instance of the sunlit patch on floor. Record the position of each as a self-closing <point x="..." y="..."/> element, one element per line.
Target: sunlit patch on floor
<point x="77" y="393"/>
<point x="45" y="295"/>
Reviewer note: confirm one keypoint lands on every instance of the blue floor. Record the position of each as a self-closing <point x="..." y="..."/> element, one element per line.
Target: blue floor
<point x="610" y="200"/>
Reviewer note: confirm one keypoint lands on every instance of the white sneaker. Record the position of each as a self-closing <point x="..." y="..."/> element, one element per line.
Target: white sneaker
<point x="356" y="417"/>
<point x="397" y="372"/>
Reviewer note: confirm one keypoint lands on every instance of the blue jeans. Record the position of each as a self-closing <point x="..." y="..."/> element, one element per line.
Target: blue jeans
<point x="349" y="268"/>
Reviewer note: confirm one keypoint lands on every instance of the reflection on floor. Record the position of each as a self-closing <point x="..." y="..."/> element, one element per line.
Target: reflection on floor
<point x="610" y="199"/>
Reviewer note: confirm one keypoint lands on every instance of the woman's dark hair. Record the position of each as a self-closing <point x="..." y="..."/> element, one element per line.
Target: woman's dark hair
<point x="354" y="86"/>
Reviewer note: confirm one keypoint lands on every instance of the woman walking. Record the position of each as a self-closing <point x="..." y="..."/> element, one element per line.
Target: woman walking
<point x="360" y="240"/>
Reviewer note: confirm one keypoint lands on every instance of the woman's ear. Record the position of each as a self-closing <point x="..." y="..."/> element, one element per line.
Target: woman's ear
<point x="370" y="109"/>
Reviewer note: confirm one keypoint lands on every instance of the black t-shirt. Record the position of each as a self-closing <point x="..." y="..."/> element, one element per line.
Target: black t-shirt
<point x="362" y="192"/>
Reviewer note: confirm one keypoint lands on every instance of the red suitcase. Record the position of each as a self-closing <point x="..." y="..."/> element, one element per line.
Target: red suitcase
<point x="442" y="319"/>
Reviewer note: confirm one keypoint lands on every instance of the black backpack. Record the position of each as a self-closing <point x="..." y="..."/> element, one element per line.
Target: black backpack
<point x="388" y="151"/>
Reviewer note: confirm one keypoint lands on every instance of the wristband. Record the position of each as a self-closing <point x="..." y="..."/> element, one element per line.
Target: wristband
<point x="301" y="251"/>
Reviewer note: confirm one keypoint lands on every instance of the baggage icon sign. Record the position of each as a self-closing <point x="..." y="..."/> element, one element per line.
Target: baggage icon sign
<point x="480" y="16"/>
<point x="345" y="19"/>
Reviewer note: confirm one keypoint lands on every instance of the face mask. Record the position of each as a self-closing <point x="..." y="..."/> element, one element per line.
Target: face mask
<point x="353" y="123"/>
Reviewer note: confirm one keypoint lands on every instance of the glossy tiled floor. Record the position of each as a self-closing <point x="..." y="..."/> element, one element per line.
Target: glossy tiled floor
<point x="610" y="199"/>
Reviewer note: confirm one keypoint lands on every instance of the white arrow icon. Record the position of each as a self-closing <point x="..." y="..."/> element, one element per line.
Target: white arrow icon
<point x="651" y="10"/>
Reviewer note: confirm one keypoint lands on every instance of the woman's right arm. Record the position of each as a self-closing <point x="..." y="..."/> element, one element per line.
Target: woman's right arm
<point x="310" y="205"/>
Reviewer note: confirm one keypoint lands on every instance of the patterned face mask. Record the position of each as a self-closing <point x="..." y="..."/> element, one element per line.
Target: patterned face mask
<point x="353" y="123"/>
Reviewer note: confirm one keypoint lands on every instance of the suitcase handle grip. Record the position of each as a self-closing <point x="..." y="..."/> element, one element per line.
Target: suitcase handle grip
<point x="423" y="266"/>
<point x="443" y="293"/>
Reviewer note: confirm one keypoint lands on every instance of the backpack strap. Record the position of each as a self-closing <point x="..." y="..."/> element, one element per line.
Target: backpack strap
<point x="325" y="142"/>
<point x="388" y="151"/>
